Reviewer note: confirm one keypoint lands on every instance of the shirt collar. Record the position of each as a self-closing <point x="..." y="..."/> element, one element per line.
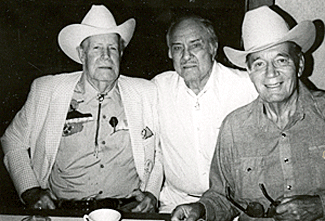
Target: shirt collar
<point x="80" y="86"/>
<point x="84" y="88"/>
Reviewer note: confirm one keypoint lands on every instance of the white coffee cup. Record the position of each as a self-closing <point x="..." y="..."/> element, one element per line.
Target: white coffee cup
<point x="103" y="215"/>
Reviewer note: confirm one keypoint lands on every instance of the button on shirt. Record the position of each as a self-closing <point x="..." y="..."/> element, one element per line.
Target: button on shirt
<point x="78" y="173"/>
<point x="189" y="126"/>
<point x="254" y="150"/>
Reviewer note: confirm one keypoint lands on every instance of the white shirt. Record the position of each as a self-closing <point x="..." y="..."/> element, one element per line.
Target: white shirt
<point x="189" y="126"/>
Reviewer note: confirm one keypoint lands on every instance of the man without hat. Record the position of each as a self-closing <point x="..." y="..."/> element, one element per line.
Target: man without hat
<point x="192" y="102"/>
<point x="86" y="140"/>
<point x="269" y="160"/>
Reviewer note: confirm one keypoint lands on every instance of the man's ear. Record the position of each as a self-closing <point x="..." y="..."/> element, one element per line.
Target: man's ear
<point x="81" y="54"/>
<point x="121" y="54"/>
<point x="301" y="66"/>
<point x="169" y="53"/>
<point x="214" y="49"/>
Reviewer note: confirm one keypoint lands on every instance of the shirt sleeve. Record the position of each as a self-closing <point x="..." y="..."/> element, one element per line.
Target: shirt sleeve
<point x="217" y="206"/>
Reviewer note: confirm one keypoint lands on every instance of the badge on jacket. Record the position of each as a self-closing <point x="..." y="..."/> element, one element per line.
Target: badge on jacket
<point x="75" y="119"/>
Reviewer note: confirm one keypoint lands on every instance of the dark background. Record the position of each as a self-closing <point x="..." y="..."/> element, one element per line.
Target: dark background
<point x="29" y="49"/>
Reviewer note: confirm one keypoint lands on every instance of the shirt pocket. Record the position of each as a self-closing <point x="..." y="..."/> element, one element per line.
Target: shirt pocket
<point x="317" y="162"/>
<point x="249" y="173"/>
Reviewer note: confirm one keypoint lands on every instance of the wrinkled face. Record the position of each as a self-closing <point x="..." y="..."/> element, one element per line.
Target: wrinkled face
<point x="190" y="50"/>
<point x="275" y="72"/>
<point x="100" y="56"/>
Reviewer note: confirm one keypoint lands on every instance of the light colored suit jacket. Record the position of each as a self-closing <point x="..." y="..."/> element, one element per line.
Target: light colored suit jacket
<point x="31" y="141"/>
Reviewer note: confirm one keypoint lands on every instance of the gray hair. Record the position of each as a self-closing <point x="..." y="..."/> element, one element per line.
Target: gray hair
<point x="205" y="23"/>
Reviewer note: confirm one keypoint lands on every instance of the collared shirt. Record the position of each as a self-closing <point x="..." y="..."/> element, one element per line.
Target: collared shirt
<point x="189" y="126"/>
<point x="253" y="150"/>
<point x="78" y="172"/>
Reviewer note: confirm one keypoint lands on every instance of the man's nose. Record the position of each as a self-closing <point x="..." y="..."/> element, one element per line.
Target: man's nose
<point x="106" y="54"/>
<point x="271" y="71"/>
<point x="186" y="54"/>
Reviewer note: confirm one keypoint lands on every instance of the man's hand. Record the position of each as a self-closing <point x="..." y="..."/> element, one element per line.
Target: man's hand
<point x="147" y="202"/>
<point x="38" y="198"/>
<point x="300" y="207"/>
<point x="188" y="212"/>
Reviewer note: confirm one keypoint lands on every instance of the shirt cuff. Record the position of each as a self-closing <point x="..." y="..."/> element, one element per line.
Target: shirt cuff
<point x="322" y="198"/>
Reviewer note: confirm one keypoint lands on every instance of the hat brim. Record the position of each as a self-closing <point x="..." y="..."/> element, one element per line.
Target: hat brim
<point x="303" y="34"/>
<point x="71" y="36"/>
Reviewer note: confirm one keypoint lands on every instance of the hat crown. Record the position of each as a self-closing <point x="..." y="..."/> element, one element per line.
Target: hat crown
<point x="99" y="20"/>
<point x="262" y="26"/>
<point x="99" y="16"/>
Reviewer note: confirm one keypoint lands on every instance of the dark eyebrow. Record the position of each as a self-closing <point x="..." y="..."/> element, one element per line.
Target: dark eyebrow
<point x="283" y="54"/>
<point x="259" y="57"/>
<point x="176" y="43"/>
<point x="196" y="40"/>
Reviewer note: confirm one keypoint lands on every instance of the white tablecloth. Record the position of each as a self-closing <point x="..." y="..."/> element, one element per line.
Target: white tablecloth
<point x="53" y="218"/>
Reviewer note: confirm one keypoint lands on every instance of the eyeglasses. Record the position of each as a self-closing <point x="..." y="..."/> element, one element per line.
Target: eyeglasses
<point x="256" y="209"/>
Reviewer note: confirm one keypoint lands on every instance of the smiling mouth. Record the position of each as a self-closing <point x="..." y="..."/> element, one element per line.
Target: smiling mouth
<point x="271" y="86"/>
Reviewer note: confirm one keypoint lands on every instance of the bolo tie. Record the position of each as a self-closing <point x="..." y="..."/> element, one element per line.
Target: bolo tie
<point x="113" y="122"/>
<point x="100" y="99"/>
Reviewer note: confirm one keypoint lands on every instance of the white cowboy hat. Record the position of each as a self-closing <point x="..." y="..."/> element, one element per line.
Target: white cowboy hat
<point x="263" y="28"/>
<point x="99" y="20"/>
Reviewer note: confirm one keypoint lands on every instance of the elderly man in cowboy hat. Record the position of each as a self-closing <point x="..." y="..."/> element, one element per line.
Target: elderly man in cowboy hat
<point x="269" y="160"/>
<point x="86" y="140"/>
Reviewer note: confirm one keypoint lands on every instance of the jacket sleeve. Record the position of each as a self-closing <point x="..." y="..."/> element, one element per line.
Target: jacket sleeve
<point x="216" y="204"/>
<point x="156" y="177"/>
<point x="16" y="145"/>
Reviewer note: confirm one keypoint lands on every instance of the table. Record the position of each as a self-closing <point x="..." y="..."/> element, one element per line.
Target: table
<point x="17" y="214"/>
<point x="58" y="218"/>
